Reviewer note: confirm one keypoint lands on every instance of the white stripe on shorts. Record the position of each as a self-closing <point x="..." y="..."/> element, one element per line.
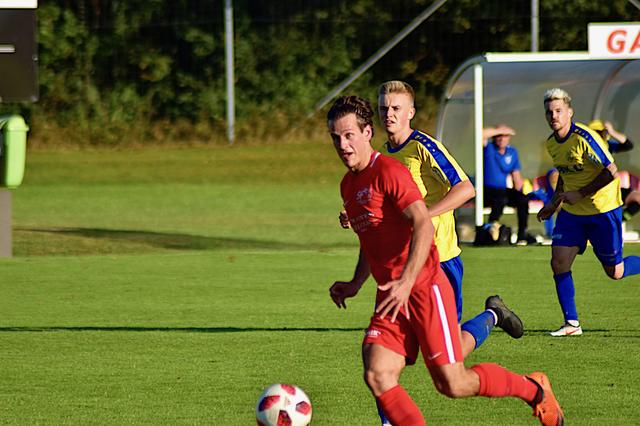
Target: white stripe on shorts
<point x="445" y="324"/>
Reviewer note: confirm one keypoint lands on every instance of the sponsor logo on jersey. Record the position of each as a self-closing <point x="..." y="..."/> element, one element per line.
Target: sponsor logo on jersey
<point x="363" y="196"/>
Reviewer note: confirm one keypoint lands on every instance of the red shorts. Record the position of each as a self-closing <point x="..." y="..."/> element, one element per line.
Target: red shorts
<point x="433" y="326"/>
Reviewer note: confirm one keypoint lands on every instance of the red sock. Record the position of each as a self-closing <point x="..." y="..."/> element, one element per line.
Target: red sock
<point x="400" y="408"/>
<point x="498" y="382"/>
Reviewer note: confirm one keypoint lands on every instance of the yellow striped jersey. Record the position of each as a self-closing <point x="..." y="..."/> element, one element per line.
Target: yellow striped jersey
<point x="435" y="171"/>
<point x="579" y="158"/>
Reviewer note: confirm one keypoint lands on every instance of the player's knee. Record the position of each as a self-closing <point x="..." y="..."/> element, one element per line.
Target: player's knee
<point x="452" y="388"/>
<point x="380" y="381"/>
<point x="614" y="273"/>
<point x="558" y="266"/>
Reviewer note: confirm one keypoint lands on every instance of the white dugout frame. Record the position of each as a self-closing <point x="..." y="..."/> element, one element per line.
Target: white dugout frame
<point x="508" y="88"/>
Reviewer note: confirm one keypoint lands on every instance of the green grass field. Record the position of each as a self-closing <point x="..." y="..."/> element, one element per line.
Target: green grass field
<point x="170" y="286"/>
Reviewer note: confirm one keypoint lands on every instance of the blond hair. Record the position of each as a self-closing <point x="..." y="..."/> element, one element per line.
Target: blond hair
<point x="397" y="86"/>
<point x="557" y="94"/>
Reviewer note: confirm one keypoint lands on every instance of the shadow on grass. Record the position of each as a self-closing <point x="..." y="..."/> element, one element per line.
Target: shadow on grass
<point x="596" y="332"/>
<point x="97" y="240"/>
<point x="608" y="333"/>
<point x="178" y="329"/>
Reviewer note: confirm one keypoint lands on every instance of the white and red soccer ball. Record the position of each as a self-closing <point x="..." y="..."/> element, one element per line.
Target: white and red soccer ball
<point x="283" y="405"/>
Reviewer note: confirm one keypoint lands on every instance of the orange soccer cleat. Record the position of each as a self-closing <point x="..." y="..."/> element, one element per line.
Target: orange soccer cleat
<point x="545" y="405"/>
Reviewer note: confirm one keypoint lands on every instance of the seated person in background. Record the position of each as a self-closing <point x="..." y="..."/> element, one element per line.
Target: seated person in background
<point x="631" y="203"/>
<point x="619" y="142"/>
<point x="545" y="193"/>
<point x="501" y="164"/>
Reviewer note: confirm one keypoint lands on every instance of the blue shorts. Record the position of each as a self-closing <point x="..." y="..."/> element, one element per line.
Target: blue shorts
<point x="454" y="270"/>
<point x="603" y="230"/>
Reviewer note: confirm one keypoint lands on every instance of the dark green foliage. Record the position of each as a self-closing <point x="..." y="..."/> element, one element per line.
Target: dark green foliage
<point x="129" y="72"/>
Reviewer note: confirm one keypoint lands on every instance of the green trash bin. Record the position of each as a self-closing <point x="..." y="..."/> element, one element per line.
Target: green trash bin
<point x="13" y="150"/>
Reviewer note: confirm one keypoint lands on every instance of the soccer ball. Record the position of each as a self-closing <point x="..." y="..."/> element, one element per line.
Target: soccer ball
<point x="283" y="405"/>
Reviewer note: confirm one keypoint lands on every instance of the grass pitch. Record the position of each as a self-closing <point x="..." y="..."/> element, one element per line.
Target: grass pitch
<point x="172" y="286"/>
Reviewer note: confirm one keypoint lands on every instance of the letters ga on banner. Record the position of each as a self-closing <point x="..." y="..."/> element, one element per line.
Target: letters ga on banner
<point x="614" y="41"/>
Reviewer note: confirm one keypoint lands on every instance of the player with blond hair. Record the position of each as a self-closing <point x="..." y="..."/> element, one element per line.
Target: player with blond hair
<point x="444" y="187"/>
<point x="588" y="196"/>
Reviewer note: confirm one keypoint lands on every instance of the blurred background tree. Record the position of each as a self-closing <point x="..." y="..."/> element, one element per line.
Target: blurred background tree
<point x="135" y="72"/>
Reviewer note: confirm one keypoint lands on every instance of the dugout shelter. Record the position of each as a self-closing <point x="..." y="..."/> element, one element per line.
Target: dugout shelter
<point x="508" y="88"/>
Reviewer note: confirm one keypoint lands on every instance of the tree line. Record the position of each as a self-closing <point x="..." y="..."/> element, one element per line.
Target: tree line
<point x="140" y="71"/>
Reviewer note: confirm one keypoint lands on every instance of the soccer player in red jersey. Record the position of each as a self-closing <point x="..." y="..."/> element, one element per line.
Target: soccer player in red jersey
<point x="415" y="307"/>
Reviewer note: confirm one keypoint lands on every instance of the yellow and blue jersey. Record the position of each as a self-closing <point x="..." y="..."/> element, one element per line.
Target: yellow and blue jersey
<point x="579" y="158"/>
<point x="435" y="171"/>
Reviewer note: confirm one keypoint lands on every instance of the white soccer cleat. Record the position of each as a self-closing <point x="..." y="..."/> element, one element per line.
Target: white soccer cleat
<point x="567" y="330"/>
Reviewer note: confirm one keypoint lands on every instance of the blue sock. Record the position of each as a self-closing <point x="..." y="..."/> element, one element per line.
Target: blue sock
<point x="566" y="295"/>
<point x="383" y="418"/>
<point x="631" y="265"/>
<point x="480" y="326"/>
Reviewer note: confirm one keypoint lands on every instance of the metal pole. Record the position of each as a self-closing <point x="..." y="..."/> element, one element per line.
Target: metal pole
<point x="379" y="54"/>
<point x="6" y="237"/>
<point x="478" y="121"/>
<point x="534" y="25"/>
<point x="228" y="49"/>
<point x="636" y="3"/>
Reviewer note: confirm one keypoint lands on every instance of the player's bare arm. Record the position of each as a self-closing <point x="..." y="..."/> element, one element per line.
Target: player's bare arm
<point x="457" y="196"/>
<point x="619" y="136"/>
<point x="605" y="177"/>
<point x="489" y="132"/>
<point x="552" y="206"/>
<point x="341" y="290"/>
<point x="421" y="240"/>
<point x="518" y="182"/>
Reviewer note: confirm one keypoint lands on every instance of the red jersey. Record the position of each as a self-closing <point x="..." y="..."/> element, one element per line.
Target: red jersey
<point x="374" y="200"/>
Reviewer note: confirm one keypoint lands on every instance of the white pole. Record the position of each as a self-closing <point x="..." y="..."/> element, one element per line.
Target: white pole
<point x="534" y="25"/>
<point x="228" y="49"/>
<point x="636" y="3"/>
<point x="478" y="101"/>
